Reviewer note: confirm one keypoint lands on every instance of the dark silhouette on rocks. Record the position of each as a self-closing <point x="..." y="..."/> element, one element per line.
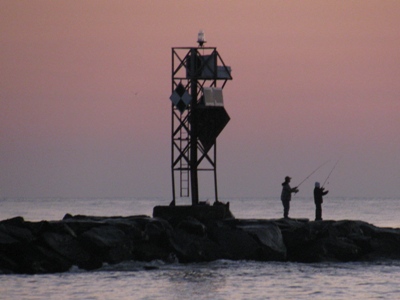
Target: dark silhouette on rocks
<point x="88" y="241"/>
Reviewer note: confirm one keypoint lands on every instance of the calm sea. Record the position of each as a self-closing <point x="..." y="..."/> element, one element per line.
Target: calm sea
<point x="217" y="280"/>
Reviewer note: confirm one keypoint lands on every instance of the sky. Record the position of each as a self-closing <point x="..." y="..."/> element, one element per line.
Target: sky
<point x="85" y="86"/>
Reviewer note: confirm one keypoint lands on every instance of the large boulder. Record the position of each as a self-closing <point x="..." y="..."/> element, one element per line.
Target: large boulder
<point x="69" y="247"/>
<point x="268" y="235"/>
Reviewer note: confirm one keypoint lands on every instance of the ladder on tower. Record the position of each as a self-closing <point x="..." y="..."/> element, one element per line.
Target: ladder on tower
<point x="184" y="167"/>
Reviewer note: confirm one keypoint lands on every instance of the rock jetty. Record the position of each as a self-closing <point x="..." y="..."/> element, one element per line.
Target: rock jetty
<point x="89" y="241"/>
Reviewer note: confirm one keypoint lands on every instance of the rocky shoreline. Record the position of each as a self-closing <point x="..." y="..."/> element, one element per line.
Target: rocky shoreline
<point x="88" y="241"/>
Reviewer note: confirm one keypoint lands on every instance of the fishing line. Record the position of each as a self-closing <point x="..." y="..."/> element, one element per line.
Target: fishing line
<point x="313" y="172"/>
<point x="330" y="173"/>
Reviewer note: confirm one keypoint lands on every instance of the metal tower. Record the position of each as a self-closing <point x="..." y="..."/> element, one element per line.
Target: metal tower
<point x="198" y="115"/>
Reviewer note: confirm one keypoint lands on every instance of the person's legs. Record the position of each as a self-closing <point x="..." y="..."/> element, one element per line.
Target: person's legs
<point x="286" y="207"/>
<point x="318" y="212"/>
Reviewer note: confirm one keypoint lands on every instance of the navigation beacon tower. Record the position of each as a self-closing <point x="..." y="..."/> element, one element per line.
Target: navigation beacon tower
<point x="198" y="115"/>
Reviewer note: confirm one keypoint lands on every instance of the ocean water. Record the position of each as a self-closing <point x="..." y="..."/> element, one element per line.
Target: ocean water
<point x="221" y="279"/>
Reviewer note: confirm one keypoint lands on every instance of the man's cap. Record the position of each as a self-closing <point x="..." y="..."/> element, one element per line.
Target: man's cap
<point x="287" y="178"/>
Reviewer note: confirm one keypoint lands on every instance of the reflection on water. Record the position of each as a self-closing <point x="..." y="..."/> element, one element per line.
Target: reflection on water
<point x="216" y="280"/>
<point x="197" y="282"/>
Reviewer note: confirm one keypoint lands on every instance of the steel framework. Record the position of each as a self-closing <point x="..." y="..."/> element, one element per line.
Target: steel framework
<point x="193" y="69"/>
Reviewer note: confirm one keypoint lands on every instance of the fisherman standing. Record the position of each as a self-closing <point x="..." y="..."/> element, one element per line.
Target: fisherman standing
<point x="286" y="196"/>
<point x="318" y="193"/>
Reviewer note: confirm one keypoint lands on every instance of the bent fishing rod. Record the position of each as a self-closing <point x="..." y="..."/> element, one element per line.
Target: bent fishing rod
<point x="330" y="173"/>
<point x="313" y="172"/>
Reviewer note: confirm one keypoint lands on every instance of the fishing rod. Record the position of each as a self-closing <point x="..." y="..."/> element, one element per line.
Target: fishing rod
<point x="330" y="173"/>
<point x="313" y="172"/>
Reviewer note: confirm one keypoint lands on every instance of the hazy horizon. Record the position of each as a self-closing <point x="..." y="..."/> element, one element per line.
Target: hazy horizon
<point x="85" y="86"/>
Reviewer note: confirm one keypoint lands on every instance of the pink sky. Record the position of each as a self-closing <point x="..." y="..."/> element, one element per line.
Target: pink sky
<point x="85" y="86"/>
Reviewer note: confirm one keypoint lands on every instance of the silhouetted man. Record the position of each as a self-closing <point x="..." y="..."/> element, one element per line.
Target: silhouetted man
<point x="318" y="193"/>
<point x="286" y="196"/>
